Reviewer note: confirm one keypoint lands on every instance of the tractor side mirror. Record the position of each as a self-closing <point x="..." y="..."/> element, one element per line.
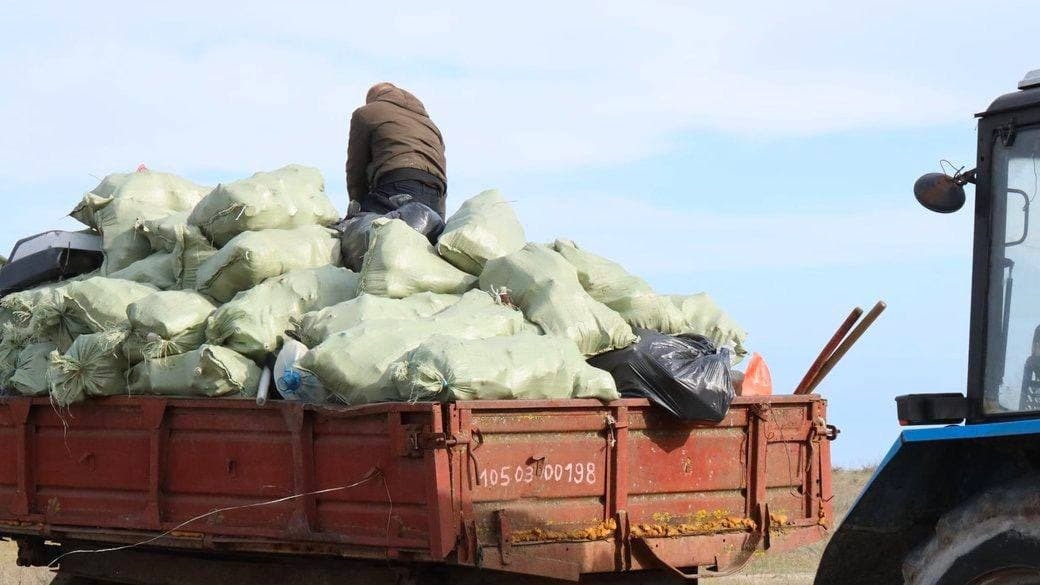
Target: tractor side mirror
<point x="940" y="192"/>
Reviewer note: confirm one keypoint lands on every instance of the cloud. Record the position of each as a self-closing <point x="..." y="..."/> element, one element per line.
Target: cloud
<point x="658" y="241"/>
<point x="516" y="90"/>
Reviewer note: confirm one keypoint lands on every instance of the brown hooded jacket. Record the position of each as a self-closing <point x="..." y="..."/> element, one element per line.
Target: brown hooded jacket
<point x="392" y="131"/>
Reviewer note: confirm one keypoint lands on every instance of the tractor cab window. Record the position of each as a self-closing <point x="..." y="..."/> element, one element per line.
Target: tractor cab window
<point x="1012" y="381"/>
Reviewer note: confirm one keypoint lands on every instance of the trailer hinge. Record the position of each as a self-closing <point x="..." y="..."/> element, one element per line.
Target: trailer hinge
<point x="623" y="548"/>
<point x="505" y="536"/>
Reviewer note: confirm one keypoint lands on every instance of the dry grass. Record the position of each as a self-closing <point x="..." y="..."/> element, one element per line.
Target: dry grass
<point x="794" y="568"/>
<point x="798" y="567"/>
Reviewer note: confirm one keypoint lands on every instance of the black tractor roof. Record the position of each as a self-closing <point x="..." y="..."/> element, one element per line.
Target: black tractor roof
<point x="1028" y="94"/>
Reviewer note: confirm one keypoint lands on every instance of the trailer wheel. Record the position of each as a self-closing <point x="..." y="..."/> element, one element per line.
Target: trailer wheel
<point x="994" y="539"/>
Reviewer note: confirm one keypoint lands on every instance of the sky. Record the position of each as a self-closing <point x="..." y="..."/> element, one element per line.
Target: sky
<point x="762" y="152"/>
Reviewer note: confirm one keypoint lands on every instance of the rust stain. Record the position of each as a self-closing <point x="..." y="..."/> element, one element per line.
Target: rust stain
<point x="689" y="529"/>
<point x="19" y="523"/>
<point x="824" y="520"/>
<point x="701" y="522"/>
<point x="662" y="517"/>
<point x="600" y="531"/>
<point x="687" y="465"/>
<point x="53" y="506"/>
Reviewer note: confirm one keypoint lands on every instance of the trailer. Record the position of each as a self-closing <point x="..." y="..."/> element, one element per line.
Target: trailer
<point x="176" y="491"/>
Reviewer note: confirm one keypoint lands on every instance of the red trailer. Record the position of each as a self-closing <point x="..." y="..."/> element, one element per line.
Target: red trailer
<point x="193" y="490"/>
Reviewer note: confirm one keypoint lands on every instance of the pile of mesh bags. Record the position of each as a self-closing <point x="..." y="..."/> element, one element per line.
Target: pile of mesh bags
<point x="202" y="287"/>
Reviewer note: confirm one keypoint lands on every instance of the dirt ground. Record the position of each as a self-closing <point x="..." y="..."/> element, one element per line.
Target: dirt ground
<point x="12" y="574"/>
<point x="794" y="568"/>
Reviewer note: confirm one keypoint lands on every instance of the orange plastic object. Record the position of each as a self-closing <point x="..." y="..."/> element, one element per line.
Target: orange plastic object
<point x="757" y="379"/>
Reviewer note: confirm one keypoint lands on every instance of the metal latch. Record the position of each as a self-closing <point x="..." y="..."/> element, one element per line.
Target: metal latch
<point x="832" y="433"/>
<point x="420" y="440"/>
<point x="822" y="430"/>
<point x="612" y="430"/>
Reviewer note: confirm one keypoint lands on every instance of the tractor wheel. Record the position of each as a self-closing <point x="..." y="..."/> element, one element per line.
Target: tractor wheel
<point x="994" y="539"/>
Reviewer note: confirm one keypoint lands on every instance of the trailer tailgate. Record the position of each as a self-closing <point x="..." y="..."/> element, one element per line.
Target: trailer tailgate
<point x="562" y="489"/>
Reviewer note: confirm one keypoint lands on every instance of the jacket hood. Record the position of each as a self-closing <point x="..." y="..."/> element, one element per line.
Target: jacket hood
<point x="399" y="97"/>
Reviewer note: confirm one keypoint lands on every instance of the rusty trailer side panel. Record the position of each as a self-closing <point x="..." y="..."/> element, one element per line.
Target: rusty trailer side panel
<point x="556" y="489"/>
<point x="588" y="488"/>
<point x="119" y="467"/>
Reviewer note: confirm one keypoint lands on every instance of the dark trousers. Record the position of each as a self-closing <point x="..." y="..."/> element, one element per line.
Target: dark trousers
<point x="378" y="199"/>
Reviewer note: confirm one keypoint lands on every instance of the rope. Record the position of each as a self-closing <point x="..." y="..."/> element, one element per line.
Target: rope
<point x="372" y="474"/>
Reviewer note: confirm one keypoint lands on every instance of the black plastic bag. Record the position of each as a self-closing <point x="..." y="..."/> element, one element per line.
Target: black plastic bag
<point x="356" y="231"/>
<point x="422" y="218"/>
<point x="683" y="374"/>
<point x="354" y="239"/>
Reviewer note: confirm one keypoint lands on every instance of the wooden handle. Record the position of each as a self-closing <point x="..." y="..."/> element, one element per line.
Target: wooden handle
<point x="849" y="341"/>
<point x="814" y="369"/>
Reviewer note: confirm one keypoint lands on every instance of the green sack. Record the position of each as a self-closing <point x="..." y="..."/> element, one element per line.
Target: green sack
<point x="20" y="306"/>
<point x="166" y="323"/>
<point x="483" y="228"/>
<point x="94" y="366"/>
<point x="401" y="262"/>
<point x="353" y="365"/>
<point x="156" y="270"/>
<point x="147" y="189"/>
<point x="52" y="320"/>
<point x="101" y="303"/>
<point x="317" y="326"/>
<point x="93" y="305"/>
<point x="254" y="323"/>
<point x="253" y="257"/>
<point x="631" y="296"/>
<point x="13" y="340"/>
<point x="706" y="318"/>
<point x="189" y="253"/>
<point x="478" y="316"/>
<point x="290" y="197"/>
<point x="121" y="243"/>
<point x="373" y="346"/>
<point x="188" y="247"/>
<point x="546" y="288"/>
<point x="162" y="233"/>
<point x="30" y="373"/>
<point x="116" y="205"/>
<point x="207" y="371"/>
<point x="526" y="367"/>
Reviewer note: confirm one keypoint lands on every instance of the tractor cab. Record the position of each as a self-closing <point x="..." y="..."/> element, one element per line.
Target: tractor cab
<point x="958" y="504"/>
<point x="1004" y="347"/>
